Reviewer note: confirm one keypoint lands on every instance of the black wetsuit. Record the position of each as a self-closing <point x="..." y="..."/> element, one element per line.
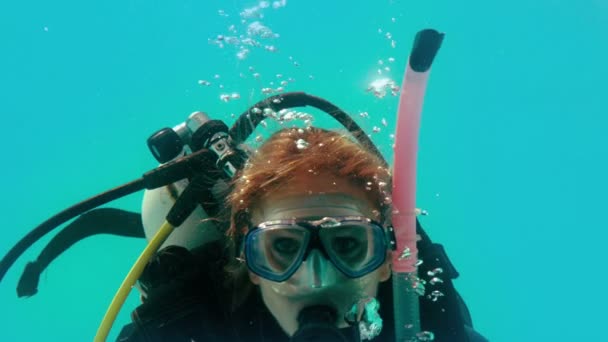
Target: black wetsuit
<point x="187" y="304"/>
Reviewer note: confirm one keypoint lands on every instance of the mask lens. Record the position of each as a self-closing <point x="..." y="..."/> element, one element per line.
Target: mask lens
<point x="275" y="253"/>
<point x="355" y="248"/>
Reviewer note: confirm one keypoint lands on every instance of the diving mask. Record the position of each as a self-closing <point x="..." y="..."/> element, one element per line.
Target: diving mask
<point x="355" y="245"/>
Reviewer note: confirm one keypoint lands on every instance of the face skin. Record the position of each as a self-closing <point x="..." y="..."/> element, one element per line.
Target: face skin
<point x="317" y="281"/>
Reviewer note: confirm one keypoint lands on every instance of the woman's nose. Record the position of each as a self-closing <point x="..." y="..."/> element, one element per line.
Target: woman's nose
<point x="320" y="272"/>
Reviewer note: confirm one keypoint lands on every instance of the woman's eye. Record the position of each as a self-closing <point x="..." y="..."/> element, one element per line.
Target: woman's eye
<point x="344" y="244"/>
<point x="286" y="245"/>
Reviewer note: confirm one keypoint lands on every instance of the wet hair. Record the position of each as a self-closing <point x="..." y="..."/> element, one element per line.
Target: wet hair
<point x="285" y="154"/>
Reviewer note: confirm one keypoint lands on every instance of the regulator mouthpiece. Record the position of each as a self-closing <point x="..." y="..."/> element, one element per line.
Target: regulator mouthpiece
<point x="318" y="323"/>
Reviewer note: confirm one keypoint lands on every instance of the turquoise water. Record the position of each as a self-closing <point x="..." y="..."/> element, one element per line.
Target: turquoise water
<point x="512" y="149"/>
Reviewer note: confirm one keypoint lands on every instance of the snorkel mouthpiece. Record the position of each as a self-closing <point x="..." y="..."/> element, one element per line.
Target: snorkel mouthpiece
<point x="318" y="323"/>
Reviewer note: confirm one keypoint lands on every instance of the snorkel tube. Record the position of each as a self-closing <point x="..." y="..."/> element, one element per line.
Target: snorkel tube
<point x="405" y="298"/>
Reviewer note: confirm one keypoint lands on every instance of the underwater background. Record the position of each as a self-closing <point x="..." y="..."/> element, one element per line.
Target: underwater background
<point x="512" y="157"/>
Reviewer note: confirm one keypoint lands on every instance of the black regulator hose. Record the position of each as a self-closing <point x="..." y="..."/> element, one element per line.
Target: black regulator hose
<point x="160" y="176"/>
<point x="62" y="217"/>
<point x="249" y="120"/>
<point x="318" y="323"/>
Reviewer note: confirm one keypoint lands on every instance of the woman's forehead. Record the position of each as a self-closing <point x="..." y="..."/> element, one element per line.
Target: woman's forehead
<point x="306" y="206"/>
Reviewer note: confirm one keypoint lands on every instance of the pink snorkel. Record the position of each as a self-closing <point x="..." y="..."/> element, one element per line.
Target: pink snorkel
<point x="407" y="320"/>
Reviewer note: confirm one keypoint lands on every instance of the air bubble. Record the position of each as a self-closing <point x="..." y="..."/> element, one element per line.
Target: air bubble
<point x="256" y="28"/>
<point x="405" y="254"/>
<point x="279" y="4"/>
<point x="421" y="212"/>
<point x="376" y="129"/>
<point x="256" y="110"/>
<point x="288" y="116"/>
<point x="418" y="286"/>
<point x="435" y="295"/>
<point x="329" y="222"/>
<point x="435" y="280"/>
<point x="425" y="336"/>
<point x="242" y="54"/>
<point x="380" y="87"/>
<point x="301" y="144"/>
<point x="435" y="272"/>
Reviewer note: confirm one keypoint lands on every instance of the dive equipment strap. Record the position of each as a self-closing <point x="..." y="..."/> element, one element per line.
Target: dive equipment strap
<point x="94" y="222"/>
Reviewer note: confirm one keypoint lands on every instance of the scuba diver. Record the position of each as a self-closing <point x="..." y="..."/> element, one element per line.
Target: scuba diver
<point x="312" y="237"/>
<point x="308" y="238"/>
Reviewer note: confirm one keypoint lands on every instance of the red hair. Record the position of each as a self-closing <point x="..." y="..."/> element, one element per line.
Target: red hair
<point x="291" y="151"/>
<point x="285" y="154"/>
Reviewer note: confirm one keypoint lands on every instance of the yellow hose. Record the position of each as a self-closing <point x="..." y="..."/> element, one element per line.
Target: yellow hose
<point x="129" y="282"/>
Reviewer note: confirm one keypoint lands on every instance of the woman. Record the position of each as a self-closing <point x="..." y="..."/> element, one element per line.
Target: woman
<point x="305" y="254"/>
